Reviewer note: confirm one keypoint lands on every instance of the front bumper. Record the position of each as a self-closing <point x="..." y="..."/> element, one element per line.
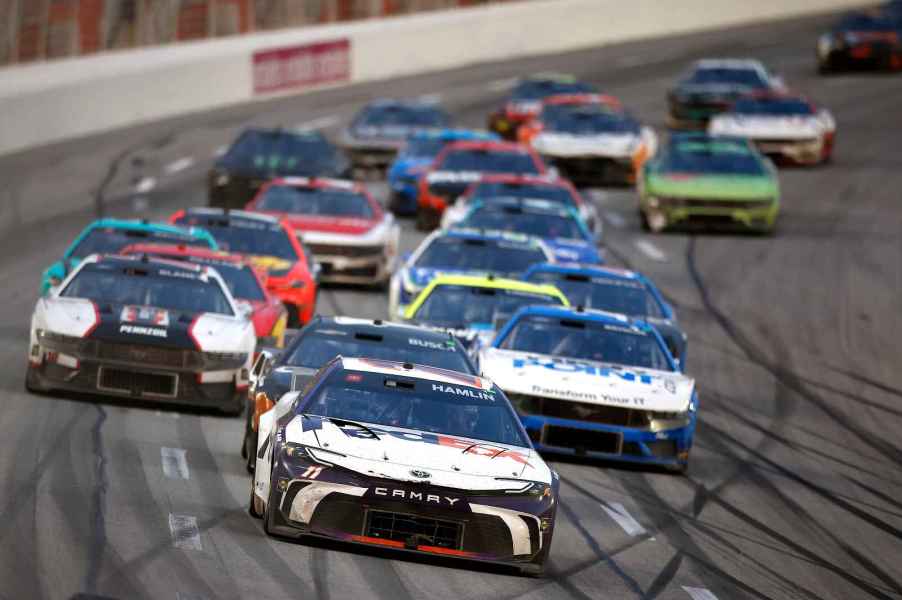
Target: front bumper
<point x="354" y="265"/>
<point x="668" y="448"/>
<point x="757" y="216"/>
<point x="802" y="152"/>
<point x="312" y="499"/>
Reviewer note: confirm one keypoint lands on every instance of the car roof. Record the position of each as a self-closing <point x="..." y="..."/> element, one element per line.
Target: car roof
<point x="387" y="367"/>
<point x="145" y="262"/>
<point x="588" y="270"/>
<point x="378" y="326"/>
<point x="454" y="135"/>
<point x="318" y="183"/>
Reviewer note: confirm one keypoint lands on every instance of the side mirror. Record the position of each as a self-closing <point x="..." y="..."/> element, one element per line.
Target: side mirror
<point x="245" y="308"/>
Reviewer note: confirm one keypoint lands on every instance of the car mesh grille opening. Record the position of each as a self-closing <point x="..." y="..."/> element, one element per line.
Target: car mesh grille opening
<point x="352" y="251"/>
<point x="414" y="530"/>
<point x="137" y="383"/>
<point x="662" y="448"/>
<point x="579" y="411"/>
<point x="148" y="355"/>
<point x="582" y="440"/>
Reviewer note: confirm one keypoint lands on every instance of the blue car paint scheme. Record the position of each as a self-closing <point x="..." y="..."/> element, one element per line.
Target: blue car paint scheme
<point x="666" y="324"/>
<point x="406" y="169"/>
<point x="61" y="268"/>
<point x="578" y="251"/>
<point x="682" y="436"/>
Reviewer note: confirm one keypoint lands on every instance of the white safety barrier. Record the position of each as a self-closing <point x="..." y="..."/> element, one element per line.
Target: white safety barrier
<point x="45" y="103"/>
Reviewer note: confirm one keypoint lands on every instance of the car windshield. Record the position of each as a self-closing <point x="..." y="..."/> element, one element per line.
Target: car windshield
<point x="552" y="193"/>
<point x="400" y="115"/>
<point x="247" y="237"/>
<point x="315" y="201"/>
<point x="543" y="224"/>
<point x="727" y="76"/>
<point x="481" y="255"/>
<point x="720" y="157"/>
<point x="587" y="119"/>
<point x="241" y="281"/>
<point x="131" y="285"/>
<point x="463" y="306"/>
<point x="772" y="106"/>
<point x="317" y="346"/>
<point x="424" y="147"/>
<point x="110" y="240"/>
<point x="416" y="404"/>
<point x="586" y="340"/>
<point x="539" y="89"/>
<point x="624" y="296"/>
<point x="489" y="161"/>
<point x="284" y="152"/>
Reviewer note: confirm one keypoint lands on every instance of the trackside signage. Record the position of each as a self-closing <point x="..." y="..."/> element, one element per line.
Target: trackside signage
<point x="299" y="67"/>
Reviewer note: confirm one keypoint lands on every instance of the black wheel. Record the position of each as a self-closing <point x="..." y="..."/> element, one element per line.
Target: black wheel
<point x="294" y="316"/>
<point x="425" y="220"/>
<point x="32" y="381"/>
<point x="534" y="570"/>
<point x="643" y="220"/>
<point x="269" y="514"/>
<point x="250" y="451"/>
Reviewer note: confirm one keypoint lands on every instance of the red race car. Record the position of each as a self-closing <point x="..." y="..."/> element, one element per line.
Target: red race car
<point x="463" y="163"/>
<point x="352" y="237"/>
<point x="270" y="245"/>
<point x="246" y="283"/>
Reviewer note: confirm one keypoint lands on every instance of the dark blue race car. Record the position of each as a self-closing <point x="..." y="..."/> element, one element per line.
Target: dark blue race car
<point x="863" y="39"/>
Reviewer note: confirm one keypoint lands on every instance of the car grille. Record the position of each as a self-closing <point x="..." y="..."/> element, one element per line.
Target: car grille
<point x="351" y="251"/>
<point x="582" y="440"/>
<point x="147" y="355"/>
<point x="137" y="383"/>
<point x="414" y="530"/>
<point x="715" y="203"/>
<point x="580" y="411"/>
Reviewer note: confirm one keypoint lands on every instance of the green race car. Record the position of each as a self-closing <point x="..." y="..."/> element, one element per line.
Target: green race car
<point x="709" y="180"/>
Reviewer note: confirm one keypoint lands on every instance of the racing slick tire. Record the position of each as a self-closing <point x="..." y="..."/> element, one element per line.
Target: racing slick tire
<point x="33" y="384"/>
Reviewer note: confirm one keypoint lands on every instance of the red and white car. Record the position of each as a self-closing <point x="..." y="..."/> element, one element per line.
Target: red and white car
<point x="247" y="284"/>
<point x="351" y="236"/>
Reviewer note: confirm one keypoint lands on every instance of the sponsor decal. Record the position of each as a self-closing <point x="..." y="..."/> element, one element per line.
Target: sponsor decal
<point x="583" y="368"/>
<point x="301" y="66"/>
<point x="143" y="330"/>
<point x="477" y="394"/>
<point x="448" y="345"/>
<point x="453" y="176"/>
<point x="421" y="474"/>
<point x="539" y="390"/>
<point x="412" y="496"/>
<point x="144" y="314"/>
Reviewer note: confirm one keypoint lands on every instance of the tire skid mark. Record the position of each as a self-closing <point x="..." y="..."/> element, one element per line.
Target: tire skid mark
<point x="850" y="395"/>
<point x="98" y="504"/>
<point x="889" y="500"/>
<point x="319" y="568"/>
<point x="383" y="575"/>
<point x="883" y="387"/>
<point x="214" y="491"/>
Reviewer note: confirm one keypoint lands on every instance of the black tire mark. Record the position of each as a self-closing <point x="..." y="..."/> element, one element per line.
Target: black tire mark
<point x="319" y="569"/>
<point x="98" y="505"/>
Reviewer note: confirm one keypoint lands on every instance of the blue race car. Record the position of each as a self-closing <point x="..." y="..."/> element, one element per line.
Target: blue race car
<point x="619" y="291"/>
<point x="421" y="149"/>
<point x="597" y="384"/>
<point x="558" y="226"/>
<point x="109" y="236"/>
<point x="462" y="252"/>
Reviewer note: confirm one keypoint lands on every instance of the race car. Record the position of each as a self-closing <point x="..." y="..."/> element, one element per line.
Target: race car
<point x="591" y="139"/>
<point x="595" y="384"/>
<point x="462" y="252"/>
<point x="554" y="189"/>
<point x="558" y="226"/>
<point x="276" y="373"/>
<point x="405" y="457"/>
<point x="109" y="236"/>
<point x="246" y="283"/>
<point x="712" y="85"/>
<point x="785" y="127"/>
<point x="141" y="328"/>
<point x="381" y="128"/>
<point x="353" y="239"/>
<point x="870" y="39"/>
<point x="709" y="180"/>
<point x="268" y="244"/>
<point x="259" y="155"/>
<point x="619" y="291"/>
<point x="462" y="163"/>
<point x="415" y="157"/>
<point x="475" y="308"/>
<point x="526" y="97"/>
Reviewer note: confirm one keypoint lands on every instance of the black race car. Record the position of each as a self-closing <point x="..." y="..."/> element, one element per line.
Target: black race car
<point x="405" y="457"/>
<point x="259" y="155"/>
<point x="712" y="85"/>
<point x="276" y="373"/>
<point x="869" y="39"/>
<point x="381" y="127"/>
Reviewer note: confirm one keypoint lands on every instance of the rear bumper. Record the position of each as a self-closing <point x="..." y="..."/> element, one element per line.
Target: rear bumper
<point x="355" y="270"/>
<point x="802" y="152"/>
<point x="595" y="170"/>
<point x="365" y="156"/>
<point x="669" y="448"/>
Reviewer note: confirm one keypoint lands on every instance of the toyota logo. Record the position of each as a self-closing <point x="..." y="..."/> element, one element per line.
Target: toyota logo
<point x="420" y="474"/>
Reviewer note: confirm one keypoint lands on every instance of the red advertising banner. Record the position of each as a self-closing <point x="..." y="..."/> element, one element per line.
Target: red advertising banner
<point x="301" y="66"/>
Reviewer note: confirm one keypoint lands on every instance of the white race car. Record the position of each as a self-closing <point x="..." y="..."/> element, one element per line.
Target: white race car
<point x="407" y="457"/>
<point x="592" y="383"/>
<point x="784" y="126"/>
<point x="142" y="328"/>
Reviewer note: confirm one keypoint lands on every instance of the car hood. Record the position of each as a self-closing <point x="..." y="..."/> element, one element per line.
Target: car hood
<point x="616" y="145"/>
<point x="587" y="381"/>
<point x="573" y="251"/>
<point x="714" y="91"/>
<point x="722" y="187"/>
<point x="450" y="461"/>
<point x="326" y="224"/>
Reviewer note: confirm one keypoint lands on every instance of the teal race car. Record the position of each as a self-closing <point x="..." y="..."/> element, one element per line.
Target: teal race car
<point x="109" y="236"/>
<point x="698" y="179"/>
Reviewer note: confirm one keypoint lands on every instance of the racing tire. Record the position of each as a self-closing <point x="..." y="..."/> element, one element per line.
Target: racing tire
<point x="425" y="221"/>
<point x="269" y="515"/>
<point x="643" y="220"/>
<point x="678" y="469"/>
<point x="533" y="570"/>
<point x="32" y="382"/>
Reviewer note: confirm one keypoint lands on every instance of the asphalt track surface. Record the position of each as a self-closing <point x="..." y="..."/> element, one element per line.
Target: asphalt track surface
<point x="795" y="483"/>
